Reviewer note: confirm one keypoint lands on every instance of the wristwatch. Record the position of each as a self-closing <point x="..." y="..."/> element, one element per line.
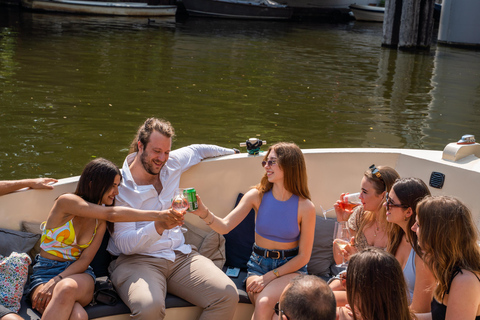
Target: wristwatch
<point x="275" y="272"/>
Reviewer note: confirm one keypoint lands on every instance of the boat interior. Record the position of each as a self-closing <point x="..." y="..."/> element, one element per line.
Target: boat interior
<point x="454" y="171"/>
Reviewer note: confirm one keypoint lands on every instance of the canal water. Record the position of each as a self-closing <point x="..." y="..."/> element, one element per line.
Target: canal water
<point x="73" y="88"/>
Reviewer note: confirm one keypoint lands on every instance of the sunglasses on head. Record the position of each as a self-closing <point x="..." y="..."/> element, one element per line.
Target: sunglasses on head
<point x="389" y="204"/>
<point x="269" y="162"/>
<point x="279" y="312"/>
<point x="378" y="174"/>
<point x="375" y="171"/>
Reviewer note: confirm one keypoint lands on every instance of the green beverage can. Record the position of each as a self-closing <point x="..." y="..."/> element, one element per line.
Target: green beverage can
<point x="191" y="195"/>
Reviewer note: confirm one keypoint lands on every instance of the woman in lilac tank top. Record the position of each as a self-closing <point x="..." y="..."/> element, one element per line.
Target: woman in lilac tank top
<point x="284" y="226"/>
<point x="449" y="239"/>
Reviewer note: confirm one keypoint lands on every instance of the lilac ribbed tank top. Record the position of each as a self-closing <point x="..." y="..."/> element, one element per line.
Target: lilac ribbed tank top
<point x="277" y="220"/>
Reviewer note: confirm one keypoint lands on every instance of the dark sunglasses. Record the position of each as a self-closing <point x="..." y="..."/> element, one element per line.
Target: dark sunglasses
<point x="270" y="163"/>
<point x="279" y="312"/>
<point x="389" y="204"/>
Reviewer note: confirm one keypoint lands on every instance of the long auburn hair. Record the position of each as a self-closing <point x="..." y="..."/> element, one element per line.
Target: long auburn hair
<point x="385" y="183"/>
<point x="410" y="191"/>
<point x="376" y="287"/>
<point x="291" y="160"/>
<point x="448" y="236"/>
<point x="96" y="179"/>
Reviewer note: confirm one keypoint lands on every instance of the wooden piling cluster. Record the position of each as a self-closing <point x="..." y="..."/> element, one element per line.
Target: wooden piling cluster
<point x="408" y="24"/>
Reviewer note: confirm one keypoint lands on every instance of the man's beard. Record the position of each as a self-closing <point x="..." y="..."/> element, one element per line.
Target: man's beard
<point x="148" y="166"/>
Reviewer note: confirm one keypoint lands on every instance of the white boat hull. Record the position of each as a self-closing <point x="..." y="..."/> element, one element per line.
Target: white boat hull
<point x="330" y="173"/>
<point x="367" y="13"/>
<point x="101" y="8"/>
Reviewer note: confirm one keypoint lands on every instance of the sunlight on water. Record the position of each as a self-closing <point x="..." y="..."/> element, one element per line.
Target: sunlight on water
<point x="77" y="87"/>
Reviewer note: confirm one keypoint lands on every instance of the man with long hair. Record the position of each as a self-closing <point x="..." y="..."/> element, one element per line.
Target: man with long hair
<point x="153" y="260"/>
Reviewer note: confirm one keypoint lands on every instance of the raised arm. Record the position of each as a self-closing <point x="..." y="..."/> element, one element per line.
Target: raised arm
<point x="75" y="205"/>
<point x="8" y="186"/>
<point x="223" y="226"/>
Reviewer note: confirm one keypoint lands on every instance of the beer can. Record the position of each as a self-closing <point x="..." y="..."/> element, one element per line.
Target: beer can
<point x="191" y="195"/>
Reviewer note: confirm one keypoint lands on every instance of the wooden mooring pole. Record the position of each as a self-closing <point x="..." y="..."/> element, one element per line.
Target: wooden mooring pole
<point x="408" y="24"/>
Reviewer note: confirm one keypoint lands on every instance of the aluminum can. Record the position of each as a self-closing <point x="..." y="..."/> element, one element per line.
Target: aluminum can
<point x="191" y="195"/>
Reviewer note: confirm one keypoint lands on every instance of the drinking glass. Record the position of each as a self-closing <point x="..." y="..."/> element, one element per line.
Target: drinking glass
<point x="180" y="204"/>
<point x="350" y="201"/>
<point x="341" y="238"/>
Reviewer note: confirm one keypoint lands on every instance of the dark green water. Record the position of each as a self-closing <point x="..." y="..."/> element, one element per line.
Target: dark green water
<point x="74" y="87"/>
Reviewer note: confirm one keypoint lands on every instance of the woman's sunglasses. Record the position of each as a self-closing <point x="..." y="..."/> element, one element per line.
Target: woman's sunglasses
<point x="279" y="312"/>
<point x="389" y="204"/>
<point x="269" y="162"/>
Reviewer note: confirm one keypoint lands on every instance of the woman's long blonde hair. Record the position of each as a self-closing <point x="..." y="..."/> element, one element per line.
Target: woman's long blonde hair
<point x="448" y="237"/>
<point x="380" y="184"/>
<point x="291" y="160"/>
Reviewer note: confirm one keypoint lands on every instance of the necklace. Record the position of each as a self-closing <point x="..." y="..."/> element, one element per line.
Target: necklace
<point x="377" y="228"/>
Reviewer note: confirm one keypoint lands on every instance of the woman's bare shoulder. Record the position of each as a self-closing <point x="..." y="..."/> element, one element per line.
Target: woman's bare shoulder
<point x="467" y="277"/>
<point x="252" y="196"/>
<point x="305" y="204"/>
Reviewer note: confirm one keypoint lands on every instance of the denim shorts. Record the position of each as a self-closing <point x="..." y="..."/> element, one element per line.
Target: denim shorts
<point x="45" y="269"/>
<point x="259" y="265"/>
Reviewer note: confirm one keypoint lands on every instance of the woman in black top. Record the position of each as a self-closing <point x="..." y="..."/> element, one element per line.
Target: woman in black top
<point x="448" y="237"/>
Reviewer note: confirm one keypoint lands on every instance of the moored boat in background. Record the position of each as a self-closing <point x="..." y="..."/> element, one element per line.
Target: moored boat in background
<point x="100" y="7"/>
<point x="239" y="9"/>
<point x="367" y="12"/>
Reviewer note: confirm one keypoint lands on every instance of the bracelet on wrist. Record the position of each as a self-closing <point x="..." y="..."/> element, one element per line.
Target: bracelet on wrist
<point x="213" y="218"/>
<point x="206" y="216"/>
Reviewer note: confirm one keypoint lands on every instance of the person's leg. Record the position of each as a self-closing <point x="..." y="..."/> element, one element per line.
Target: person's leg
<point x="11" y="316"/>
<point x="140" y="283"/>
<point x="198" y="280"/>
<point x="75" y="289"/>
<point x="266" y="299"/>
<point x="7" y="314"/>
<point x="78" y="312"/>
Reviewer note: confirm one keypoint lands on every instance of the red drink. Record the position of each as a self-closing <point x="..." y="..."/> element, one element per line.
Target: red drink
<point x="349" y="206"/>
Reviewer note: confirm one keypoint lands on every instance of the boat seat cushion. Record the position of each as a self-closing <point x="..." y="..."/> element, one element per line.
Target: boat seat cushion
<point x="100" y="310"/>
<point x="32" y="227"/>
<point x="16" y="241"/>
<point x="239" y="241"/>
<point x="209" y="244"/>
<point x="241" y="286"/>
<point x="322" y="251"/>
